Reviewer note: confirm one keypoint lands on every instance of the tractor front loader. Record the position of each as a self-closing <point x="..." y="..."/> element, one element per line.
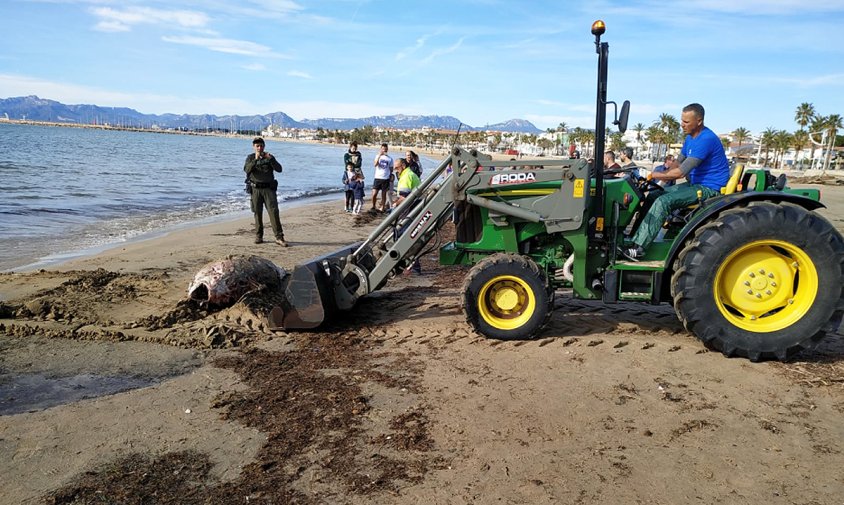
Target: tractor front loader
<point x="753" y="272"/>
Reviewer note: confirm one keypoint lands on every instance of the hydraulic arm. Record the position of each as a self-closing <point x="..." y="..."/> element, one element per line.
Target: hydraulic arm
<point x="336" y="281"/>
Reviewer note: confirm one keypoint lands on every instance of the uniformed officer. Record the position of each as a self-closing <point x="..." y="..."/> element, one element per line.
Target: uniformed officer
<point x="259" y="168"/>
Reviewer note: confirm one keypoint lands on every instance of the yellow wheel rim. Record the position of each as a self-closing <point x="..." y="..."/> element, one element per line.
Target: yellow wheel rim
<point x="766" y="286"/>
<point x="506" y="302"/>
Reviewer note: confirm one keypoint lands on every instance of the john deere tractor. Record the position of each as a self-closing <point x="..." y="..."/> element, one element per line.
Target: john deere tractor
<point x="752" y="272"/>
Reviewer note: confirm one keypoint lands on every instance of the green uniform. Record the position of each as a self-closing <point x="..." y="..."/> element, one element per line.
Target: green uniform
<point x="262" y="179"/>
<point x="659" y="204"/>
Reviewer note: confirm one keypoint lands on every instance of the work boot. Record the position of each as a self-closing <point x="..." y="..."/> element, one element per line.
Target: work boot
<point x="281" y="242"/>
<point x="259" y="240"/>
<point x="633" y="253"/>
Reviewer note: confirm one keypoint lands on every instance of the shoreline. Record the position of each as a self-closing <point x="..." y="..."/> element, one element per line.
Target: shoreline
<point x="61" y="259"/>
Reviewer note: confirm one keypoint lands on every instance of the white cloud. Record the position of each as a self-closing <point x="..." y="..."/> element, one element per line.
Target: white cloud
<point x="230" y="46"/>
<point x="111" y="27"/>
<point x="404" y="53"/>
<point x="576" y="107"/>
<point x="123" y="19"/>
<point x="809" y="82"/>
<point x="653" y="110"/>
<point x="257" y="67"/>
<point x="441" y="52"/>
<point x="763" y="6"/>
<point x="300" y="74"/>
<point x="278" y="6"/>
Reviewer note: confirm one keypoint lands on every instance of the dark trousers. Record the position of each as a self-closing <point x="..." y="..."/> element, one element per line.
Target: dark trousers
<point x="266" y="197"/>
<point x="350" y="199"/>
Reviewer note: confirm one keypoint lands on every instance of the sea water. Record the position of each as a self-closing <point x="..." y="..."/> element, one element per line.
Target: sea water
<point x="71" y="191"/>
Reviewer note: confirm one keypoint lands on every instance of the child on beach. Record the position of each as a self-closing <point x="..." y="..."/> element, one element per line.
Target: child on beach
<point x="348" y="174"/>
<point x="356" y="183"/>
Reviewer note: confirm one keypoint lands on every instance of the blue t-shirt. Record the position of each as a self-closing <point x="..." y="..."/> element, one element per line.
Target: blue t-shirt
<point x="714" y="169"/>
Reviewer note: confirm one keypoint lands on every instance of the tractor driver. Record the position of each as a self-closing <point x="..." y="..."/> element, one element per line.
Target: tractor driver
<point x="704" y="165"/>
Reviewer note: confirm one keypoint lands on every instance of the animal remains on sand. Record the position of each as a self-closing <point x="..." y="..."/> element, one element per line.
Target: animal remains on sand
<point x="224" y="282"/>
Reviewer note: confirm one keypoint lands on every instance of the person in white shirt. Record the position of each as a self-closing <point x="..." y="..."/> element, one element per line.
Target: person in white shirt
<point x="383" y="174"/>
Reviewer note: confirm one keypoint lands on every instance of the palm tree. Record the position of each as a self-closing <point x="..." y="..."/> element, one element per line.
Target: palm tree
<point x="576" y="136"/>
<point x="833" y="123"/>
<point x="768" y="137"/>
<point x="665" y="119"/>
<point x="639" y="128"/>
<point x="782" y="139"/>
<point x="653" y="135"/>
<point x="740" y="135"/>
<point x="818" y="124"/>
<point x="804" y="114"/>
<point x="799" y="140"/>
<point x="671" y="126"/>
<point x="589" y="138"/>
<point x="617" y="141"/>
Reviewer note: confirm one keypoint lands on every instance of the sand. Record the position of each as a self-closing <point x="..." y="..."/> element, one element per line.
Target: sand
<point x="396" y="402"/>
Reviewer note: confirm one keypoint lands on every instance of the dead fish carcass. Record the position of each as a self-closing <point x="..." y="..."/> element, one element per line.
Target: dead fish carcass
<point x="225" y="281"/>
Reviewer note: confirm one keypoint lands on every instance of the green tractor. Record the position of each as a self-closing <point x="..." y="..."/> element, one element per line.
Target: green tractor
<point x="752" y="272"/>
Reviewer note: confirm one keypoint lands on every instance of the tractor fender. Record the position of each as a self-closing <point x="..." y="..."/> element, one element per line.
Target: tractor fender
<point x="715" y="206"/>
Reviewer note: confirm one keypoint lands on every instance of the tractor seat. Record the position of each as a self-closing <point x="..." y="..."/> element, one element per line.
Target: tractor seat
<point x="682" y="215"/>
<point x="733" y="181"/>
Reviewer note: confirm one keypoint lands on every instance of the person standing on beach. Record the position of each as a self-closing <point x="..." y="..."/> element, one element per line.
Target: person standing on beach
<point x="383" y="175"/>
<point x="356" y="184"/>
<point x="348" y="176"/>
<point x="353" y="157"/>
<point x="352" y="161"/>
<point x="407" y="182"/>
<point x="412" y="161"/>
<point x="259" y="168"/>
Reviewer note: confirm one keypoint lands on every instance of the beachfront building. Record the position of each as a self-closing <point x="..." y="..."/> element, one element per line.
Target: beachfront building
<point x="276" y="131"/>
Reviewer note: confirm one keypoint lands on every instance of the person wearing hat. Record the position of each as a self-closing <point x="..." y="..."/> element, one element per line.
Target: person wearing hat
<point x="259" y="168"/>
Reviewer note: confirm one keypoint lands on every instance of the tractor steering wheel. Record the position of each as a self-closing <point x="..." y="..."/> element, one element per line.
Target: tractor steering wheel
<point x="648" y="184"/>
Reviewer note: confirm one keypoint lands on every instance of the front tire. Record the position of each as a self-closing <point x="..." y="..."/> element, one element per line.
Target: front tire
<point x="505" y="297"/>
<point x="763" y="281"/>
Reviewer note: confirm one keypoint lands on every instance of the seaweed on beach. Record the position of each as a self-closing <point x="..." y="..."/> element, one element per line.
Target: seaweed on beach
<point x="313" y="404"/>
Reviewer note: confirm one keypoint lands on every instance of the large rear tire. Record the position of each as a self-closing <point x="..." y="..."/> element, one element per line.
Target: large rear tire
<point x="505" y="297"/>
<point x="762" y="281"/>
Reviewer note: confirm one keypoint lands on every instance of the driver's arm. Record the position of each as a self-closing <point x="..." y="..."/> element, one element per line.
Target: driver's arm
<point x="680" y="168"/>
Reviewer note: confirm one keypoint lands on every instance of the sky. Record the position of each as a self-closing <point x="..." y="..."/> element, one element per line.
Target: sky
<point x="750" y="63"/>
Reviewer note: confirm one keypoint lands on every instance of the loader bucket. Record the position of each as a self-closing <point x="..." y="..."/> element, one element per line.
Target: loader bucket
<point x="309" y="292"/>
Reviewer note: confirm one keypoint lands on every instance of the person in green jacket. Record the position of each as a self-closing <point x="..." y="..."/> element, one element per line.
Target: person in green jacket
<point x="259" y="168"/>
<point x="352" y="157"/>
<point x="408" y="181"/>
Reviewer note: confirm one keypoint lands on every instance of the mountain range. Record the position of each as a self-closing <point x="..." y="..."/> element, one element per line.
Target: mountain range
<point x="40" y="109"/>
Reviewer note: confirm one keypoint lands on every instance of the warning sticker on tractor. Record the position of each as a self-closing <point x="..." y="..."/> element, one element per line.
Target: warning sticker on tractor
<point x="578" y="188"/>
